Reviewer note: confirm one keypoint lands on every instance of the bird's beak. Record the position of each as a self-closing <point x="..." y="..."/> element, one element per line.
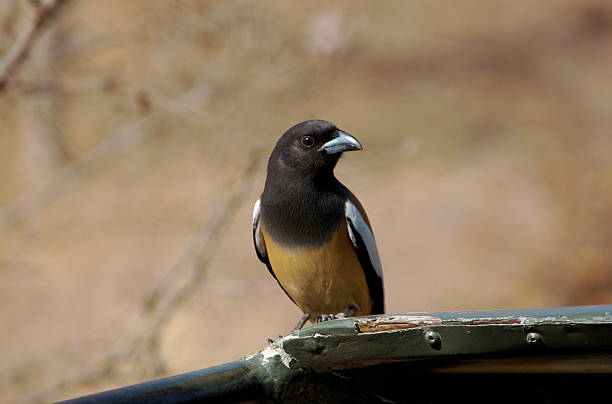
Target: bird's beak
<point x="341" y="142"/>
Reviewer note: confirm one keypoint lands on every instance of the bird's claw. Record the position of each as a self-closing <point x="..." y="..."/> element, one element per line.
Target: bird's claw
<point x="349" y="312"/>
<point x="325" y="317"/>
<point x="301" y="322"/>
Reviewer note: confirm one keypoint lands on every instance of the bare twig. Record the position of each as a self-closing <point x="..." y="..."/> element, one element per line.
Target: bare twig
<point x="39" y="17"/>
<point x="132" y="134"/>
<point x="181" y="281"/>
<point x="100" y="84"/>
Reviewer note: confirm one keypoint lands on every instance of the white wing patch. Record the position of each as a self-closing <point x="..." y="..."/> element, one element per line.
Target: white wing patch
<point x="256" y="212"/>
<point x="361" y="227"/>
<point x="259" y="242"/>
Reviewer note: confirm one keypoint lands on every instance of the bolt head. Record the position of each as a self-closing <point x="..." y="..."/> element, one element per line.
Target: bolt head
<point x="534" y="338"/>
<point x="433" y="339"/>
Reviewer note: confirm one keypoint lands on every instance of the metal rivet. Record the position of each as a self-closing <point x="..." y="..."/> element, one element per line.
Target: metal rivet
<point x="313" y="346"/>
<point x="534" y="338"/>
<point x="433" y="339"/>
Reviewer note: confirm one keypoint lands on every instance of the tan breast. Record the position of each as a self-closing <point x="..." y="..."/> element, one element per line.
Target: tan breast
<point x="323" y="280"/>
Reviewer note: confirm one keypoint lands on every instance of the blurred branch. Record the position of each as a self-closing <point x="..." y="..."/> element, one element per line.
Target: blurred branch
<point x="185" y="277"/>
<point x="153" y="95"/>
<point x="181" y="281"/>
<point x="40" y="16"/>
<point x="44" y="149"/>
<point x="128" y="136"/>
<point x="132" y="134"/>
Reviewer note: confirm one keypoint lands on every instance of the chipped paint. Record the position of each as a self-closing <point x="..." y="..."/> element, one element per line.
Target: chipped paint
<point x="569" y="340"/>
<point x="288" y="337"/>
<point x="395" y="323"/>
<point x="273" y="351"/>
<point x="392" y="323"/>
<point x="486" y="321"/>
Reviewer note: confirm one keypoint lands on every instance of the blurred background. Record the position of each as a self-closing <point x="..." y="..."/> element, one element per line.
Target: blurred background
<point x="133" y="143"/>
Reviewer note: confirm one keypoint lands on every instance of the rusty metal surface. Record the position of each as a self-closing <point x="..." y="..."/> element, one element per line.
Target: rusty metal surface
<point x="363" y="359"/>
<point x="356" y="342"/>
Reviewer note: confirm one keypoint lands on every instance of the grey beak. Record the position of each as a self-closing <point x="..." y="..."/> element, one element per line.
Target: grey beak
<point x="340" y="143"/>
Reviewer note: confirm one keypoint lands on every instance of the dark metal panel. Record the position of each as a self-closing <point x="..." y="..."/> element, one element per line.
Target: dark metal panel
<point x="232" y="382"/>
<point x="376" y="358"/>
<point x="358" y="342"/>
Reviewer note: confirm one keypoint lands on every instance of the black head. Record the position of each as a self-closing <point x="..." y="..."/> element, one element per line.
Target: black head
<point x="311" y="148"/>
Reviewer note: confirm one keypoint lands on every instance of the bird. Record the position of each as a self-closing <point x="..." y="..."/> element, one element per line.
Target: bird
<point x="310" y="230"/>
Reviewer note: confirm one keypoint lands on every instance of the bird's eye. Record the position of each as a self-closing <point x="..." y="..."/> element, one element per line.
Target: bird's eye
<point x="308" y="141"/>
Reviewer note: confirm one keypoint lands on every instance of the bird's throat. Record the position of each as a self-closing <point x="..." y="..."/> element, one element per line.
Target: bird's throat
<point x="302" y="213"/>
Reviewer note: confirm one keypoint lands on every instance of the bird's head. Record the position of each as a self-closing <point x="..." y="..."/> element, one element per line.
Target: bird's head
<point x="312" y="148"/>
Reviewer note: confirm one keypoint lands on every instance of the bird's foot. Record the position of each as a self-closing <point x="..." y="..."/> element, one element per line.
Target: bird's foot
<point x="348" y="312"/>
<point x="325" y="317"/>
<point x="301" y="322"/>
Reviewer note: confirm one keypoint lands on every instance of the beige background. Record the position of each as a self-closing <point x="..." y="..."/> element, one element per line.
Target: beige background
<point x="133" y="144"/>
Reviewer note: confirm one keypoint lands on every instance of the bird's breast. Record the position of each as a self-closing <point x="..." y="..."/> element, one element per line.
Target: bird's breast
<point x="321" y="280"/>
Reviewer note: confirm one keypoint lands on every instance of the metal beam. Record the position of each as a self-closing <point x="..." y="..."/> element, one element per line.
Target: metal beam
<point x="360" y="359"/>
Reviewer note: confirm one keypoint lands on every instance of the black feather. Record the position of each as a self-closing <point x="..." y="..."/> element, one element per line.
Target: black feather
<point x="302" y="203"/>
<point x="375" y="282"/>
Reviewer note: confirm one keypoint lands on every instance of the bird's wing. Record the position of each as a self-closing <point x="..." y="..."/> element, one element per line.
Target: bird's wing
<point x="258" y="240"/>
<point x="260" y="243"/>
<point x="363" y="241"/>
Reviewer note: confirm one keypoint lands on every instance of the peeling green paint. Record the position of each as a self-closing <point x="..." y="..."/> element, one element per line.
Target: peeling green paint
<point x="369" y="359"/>
<point x="355" y="343"/>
